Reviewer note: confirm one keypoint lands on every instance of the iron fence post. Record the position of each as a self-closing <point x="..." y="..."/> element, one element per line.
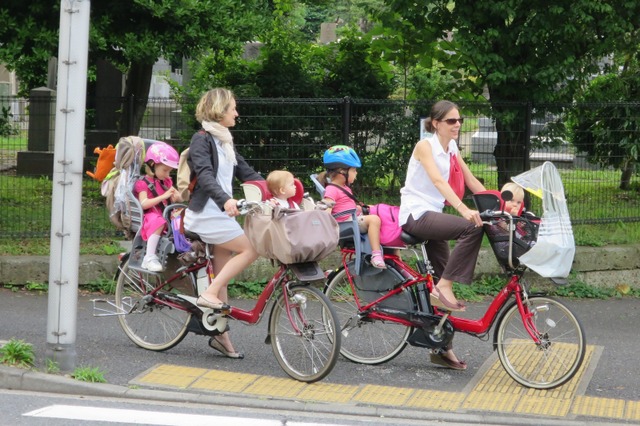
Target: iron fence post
<point x="527" y="136"/>
<point x="346" y="119"/>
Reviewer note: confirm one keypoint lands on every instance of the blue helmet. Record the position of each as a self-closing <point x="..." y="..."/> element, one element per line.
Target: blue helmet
<point x="340" y="156"/>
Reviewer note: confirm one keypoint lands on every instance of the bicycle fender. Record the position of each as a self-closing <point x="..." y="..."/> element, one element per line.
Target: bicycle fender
<point x="123" y="259"/>
<point x="332" y="273"/>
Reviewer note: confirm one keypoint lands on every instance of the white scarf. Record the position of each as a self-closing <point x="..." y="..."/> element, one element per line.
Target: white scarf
<point x="223" y="135"/>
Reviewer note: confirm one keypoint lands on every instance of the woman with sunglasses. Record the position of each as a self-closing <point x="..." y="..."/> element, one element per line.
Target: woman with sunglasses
<point x="433" y="167"/>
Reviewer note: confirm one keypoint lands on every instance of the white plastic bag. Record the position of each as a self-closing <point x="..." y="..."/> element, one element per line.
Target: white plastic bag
<point x="553" y="253"/>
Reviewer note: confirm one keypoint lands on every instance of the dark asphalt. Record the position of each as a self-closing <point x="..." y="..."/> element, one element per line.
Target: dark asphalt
<point x="610" y="324"/>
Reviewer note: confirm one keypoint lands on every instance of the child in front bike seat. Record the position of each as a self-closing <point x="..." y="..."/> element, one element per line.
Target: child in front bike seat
<point x="153" y="190"/>
<point x="341" y="163"/>
<point x="282" y="186"/>
<point x="515" y="204"/>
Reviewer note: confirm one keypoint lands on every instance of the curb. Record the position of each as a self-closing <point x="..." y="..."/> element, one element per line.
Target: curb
<point x="607" y="266"/>
<point x="12" y="378"/>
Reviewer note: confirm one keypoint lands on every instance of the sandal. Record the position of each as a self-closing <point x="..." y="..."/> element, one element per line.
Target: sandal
<point x="441" y="302"/>
<point x="215" y="344"/>
<point x="377" y="261"/>
<point x="443" y="360"/>
<point x="204" y="303"/>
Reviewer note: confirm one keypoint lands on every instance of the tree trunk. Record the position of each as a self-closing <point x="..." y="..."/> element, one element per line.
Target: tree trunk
<point x="627" y="172"/>
<point x="511" y="149"/>
<point x="136" y="94"/>
<point x="513" y="125"/>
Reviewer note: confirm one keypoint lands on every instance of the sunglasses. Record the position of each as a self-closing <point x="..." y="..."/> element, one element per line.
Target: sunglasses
<point x="452" y="121"/>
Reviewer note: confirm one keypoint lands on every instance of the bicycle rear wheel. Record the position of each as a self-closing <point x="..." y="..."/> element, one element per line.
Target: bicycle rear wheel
<point x="364" y="341"/>
<point x="304" y="333"/>
<point x="555" y="359"/>
<point x="147" y="322"/>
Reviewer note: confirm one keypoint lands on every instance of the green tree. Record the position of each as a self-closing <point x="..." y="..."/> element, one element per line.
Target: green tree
<point x="521" y="52"/>
<point x="608" y="131"/>
<point x="357" y="69"/>
<point x="130" y="34"/>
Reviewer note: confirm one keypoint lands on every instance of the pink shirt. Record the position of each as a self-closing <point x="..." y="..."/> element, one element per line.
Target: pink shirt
<point x="342" y="200"/>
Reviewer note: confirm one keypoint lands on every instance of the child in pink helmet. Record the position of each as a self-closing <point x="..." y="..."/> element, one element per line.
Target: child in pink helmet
<point x="153" y="191"/>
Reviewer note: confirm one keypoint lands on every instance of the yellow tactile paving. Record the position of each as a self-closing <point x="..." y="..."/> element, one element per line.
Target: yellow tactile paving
<point x="274" y="387"/>
<point x="328" y="392"/>
<point x="172" y="375"/>
<point x="598" y="407"/>
<point x="436" y="400"/>
<point x="385" y="395"/>
<point x="544" y="405"/>
<point x="494" y="390"/>
<point x="633" y="410"/>
<point x="215" y="380"/>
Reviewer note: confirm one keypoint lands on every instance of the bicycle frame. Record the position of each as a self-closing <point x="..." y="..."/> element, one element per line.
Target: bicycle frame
<point x="477" y="326"/>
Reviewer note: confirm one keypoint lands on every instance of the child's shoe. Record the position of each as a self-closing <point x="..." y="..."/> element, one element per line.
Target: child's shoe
<point x="152" y="264"/>
<point x="377" y="260"/>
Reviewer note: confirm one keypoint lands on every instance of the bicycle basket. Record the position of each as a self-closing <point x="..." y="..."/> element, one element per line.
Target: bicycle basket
<point x="524" y="236"/>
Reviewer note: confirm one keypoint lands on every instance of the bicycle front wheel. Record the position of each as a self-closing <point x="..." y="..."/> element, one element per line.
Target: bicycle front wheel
<point x="555" y="358"/>
<point x="304" y="333"/>
<point x="144" y="319"/>
<point x="364" y="341"/>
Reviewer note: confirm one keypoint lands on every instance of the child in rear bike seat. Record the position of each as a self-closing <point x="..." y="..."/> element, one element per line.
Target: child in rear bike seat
<point x="153" y="191"/>
<point x="342" y="163"/>
<point x="282" y="186"/>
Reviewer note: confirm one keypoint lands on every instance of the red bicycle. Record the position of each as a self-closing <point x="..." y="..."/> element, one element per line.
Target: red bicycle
<point x="540" y="342"/>
<point x="157" y="310"/>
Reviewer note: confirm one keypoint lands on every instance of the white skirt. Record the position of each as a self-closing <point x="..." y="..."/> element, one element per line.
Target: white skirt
<point x="212" y="225"/>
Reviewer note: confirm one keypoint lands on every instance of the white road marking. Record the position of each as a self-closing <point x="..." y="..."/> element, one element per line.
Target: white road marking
<point x="118" y="415"/>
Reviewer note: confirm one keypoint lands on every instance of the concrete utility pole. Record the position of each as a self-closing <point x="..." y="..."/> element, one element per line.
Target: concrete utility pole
<point x="66" y="200"/>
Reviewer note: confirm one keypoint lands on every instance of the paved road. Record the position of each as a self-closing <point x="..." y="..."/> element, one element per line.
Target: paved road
<point x="610" y="326"/>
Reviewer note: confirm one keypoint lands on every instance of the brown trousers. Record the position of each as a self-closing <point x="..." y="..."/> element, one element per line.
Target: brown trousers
<point x="438" y="229"/>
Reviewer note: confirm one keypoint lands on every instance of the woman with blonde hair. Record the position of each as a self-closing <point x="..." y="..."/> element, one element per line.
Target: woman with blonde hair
<point x="215" y="163"/>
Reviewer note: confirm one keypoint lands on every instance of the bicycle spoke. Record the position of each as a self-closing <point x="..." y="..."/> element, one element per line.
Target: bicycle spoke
<point x="304" y="334"/>
<point x="364" y="341"/>
<point x="149" y="323"/>
<point x="551" y="361"/>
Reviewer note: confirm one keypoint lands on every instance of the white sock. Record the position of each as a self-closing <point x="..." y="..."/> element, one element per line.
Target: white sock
<point x="152" y="245"/>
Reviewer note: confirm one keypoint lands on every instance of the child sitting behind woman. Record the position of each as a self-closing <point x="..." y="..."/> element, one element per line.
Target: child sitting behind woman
<point x="282" y="186"/>
<point x="342" y="163"/>
<point x="153" y="190"/>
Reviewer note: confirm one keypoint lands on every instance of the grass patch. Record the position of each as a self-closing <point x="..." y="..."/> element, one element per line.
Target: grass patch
<point x="41" y="246"/>
<point x="247" y="289"/>
<point x="101" y="285"/>
<point x="17" y="353"/>
<point x="89" y="374"/>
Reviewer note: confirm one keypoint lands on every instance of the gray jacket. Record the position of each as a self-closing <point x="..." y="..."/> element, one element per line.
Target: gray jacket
<point x="203" y="162"/>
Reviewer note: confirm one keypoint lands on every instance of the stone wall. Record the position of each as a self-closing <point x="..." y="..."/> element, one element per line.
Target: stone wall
<point x="598" y="266"/>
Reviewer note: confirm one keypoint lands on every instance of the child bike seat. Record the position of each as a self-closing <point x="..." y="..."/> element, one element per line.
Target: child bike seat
<point x="256" y="190"/>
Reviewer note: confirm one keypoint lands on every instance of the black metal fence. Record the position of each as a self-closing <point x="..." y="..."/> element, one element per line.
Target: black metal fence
<point x="293" y="133"/>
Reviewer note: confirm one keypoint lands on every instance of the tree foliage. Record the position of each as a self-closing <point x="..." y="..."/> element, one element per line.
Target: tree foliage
<point x="520" y="51"/>
<point x="130" y="34"/>
<point x="608" y="131"/>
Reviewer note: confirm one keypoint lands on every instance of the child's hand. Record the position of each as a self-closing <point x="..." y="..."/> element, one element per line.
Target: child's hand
<point x="169" y="193"/>
<point x="176" y="197"/>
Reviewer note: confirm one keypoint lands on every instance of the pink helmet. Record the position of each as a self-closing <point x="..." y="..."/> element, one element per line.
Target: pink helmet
<point x="161" y="152"/>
